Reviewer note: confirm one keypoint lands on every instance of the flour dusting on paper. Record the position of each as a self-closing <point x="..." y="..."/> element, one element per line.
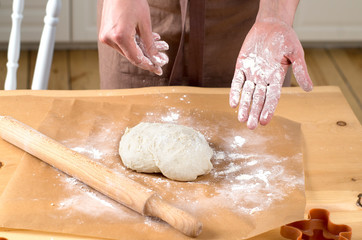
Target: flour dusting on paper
<point x="87" y="201"/>
<point x="248" y="181"/>
<point x="253" y="185"/>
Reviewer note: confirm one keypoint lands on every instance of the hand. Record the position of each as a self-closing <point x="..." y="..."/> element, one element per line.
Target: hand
<point x="126" y="27"/>
<point x="268" y="50"/>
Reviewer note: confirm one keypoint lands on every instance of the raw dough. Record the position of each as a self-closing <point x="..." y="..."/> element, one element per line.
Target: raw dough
<point x="177" y="151"/>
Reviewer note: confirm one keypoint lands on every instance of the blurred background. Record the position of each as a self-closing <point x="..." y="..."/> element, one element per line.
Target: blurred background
<point x="330" y="31"/>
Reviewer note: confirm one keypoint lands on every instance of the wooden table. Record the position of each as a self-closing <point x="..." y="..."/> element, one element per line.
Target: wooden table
<point x="332" y="147"/>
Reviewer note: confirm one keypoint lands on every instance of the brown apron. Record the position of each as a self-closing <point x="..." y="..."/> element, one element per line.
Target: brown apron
<point x="205" y="37"/>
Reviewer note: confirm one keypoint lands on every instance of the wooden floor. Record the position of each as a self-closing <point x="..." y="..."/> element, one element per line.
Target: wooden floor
<point x="78" y="69"/>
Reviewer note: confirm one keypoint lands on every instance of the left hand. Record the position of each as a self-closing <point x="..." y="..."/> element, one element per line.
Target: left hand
<point x="268" y="50"/>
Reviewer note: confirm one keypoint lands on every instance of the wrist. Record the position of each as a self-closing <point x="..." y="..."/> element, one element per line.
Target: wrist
<point x="277" y="10"/>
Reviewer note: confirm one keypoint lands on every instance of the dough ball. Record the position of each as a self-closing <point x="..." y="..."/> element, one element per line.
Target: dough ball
<point x="134" y="149"/>
<point x="177" y="151"/>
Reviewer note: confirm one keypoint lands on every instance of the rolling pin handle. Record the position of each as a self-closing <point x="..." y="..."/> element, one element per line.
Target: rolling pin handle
<point x="181" y="220"/>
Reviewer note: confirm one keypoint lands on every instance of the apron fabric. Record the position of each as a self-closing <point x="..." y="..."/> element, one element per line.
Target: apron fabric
<point x="205" y="37"/>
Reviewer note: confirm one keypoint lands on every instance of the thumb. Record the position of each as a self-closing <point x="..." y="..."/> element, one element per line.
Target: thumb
<point x="300" y="70"/>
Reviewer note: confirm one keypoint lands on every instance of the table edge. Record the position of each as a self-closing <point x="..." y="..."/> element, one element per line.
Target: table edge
<point x="148" y="90"/>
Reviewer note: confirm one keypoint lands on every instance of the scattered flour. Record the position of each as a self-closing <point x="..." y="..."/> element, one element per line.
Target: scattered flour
<point x="93" y="153"/>
<point x="172" y="116"/>
<point x="243" y="180"/>
<point x="85" y="200"/>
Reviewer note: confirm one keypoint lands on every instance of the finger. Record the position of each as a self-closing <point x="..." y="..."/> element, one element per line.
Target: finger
<point x="257" y="106"/>
<point x="301" y="74"/>
<point x="245" y="101"/>
<point x="236" y="85"/>
<point x="272" y="96"/>
<point x="160" y="59"/>
<point x="127" y="46"/>
<point x="135" y="55"/>
<point x="147" y="64"/>
<point x="161" y="45"/>
<point x="156" y="36"/>
<point x="149" y="48"/>
<point x="300" y="70"/>
<point x="157" y="58"/>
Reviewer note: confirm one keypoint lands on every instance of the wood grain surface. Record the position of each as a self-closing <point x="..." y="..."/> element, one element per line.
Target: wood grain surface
<point x="332" y="146"/>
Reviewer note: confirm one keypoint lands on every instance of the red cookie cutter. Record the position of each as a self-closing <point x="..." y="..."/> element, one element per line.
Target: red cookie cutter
<point x="317" y="227"/>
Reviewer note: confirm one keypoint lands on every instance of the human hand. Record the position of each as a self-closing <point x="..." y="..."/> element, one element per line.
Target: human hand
<point x="126" y="27"/>
<point x="268" y="50"/>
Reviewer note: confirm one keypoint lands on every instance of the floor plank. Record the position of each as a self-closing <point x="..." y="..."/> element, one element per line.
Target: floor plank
<point x="3" y="60"/>
<point x="59" y="72"/>
<point x="326" y="73"/>
<point x="321" y="69"/>
<point x="349" y="62"/>
<point x="84" y="72"/>
<point x="32" y="60"/>
<point x="22" y="72"/>
<point x="318" y="77"/>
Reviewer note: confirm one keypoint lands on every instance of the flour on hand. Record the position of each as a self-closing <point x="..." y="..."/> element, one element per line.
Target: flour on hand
<point x="178" y="152"/>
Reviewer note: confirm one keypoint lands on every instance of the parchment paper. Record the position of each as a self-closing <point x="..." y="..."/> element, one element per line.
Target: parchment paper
<point x="257" y="183"/>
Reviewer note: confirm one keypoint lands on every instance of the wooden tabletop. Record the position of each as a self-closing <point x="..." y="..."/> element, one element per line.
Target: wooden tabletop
<point x="332" y="146"/>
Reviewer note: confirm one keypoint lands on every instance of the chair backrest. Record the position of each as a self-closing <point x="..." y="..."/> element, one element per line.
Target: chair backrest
<point x="46" y="46"/>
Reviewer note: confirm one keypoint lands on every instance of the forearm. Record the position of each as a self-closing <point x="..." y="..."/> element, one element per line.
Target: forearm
<point x="283" y="10"/>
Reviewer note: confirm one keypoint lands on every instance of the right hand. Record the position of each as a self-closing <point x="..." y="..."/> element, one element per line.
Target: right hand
<point x="126" y="27"/>
<point x="270" y="47"/>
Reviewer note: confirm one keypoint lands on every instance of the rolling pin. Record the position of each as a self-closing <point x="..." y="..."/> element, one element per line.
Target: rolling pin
<point x="112" y="184"/>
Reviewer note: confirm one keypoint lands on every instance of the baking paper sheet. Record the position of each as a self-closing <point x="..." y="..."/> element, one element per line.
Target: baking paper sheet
<point x="257" y="183"/>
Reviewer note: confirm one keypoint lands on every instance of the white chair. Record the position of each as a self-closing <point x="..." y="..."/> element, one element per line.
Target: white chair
<point x="46" y="46"/>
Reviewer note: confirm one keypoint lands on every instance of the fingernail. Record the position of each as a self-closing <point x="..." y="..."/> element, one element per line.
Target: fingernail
<point x="145" y="64"/>
<point x="159" y="71"/>
<point x="156" y="36"/>
<point x="234" y="99"/>
<point x="308" y="87"/>
<point x="252" y="123"/>
<point x="264" y="118"/>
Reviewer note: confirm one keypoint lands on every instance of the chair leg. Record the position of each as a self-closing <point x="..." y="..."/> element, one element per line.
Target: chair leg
<point x="14" y="45"/>
<point x="46" y="46"/>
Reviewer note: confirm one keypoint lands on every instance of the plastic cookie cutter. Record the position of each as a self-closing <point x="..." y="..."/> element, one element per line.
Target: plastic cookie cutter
<point x="317" y="227"/>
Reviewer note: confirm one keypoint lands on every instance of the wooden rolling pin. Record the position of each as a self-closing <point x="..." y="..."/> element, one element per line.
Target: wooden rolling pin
<point x="112" y="184"/>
